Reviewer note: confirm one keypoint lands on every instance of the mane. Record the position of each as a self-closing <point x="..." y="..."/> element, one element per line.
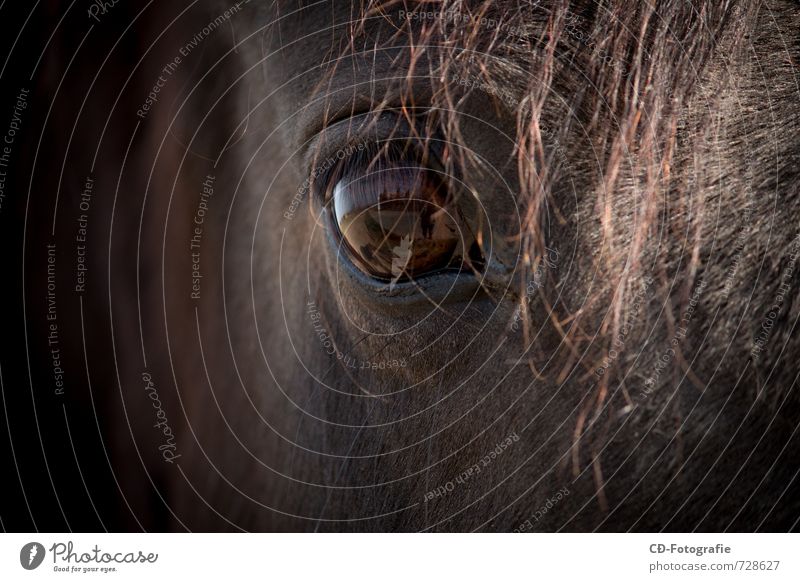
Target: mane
<point x="618" y="77"/>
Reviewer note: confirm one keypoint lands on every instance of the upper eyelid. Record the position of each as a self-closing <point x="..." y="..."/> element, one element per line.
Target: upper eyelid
<point x="378" y="159"/>
<point x="355" y="135"/>
<point x="370" y="129"/>
<point x="363" y="127"/>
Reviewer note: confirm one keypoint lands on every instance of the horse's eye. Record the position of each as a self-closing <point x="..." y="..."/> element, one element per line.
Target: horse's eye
<point x="397" y="221"/>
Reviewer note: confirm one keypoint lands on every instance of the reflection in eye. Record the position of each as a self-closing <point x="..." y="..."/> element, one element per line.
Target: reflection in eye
<point x="397" y="221"/>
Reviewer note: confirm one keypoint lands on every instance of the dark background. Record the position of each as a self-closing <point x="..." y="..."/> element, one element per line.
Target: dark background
<point x="66" y="460"/>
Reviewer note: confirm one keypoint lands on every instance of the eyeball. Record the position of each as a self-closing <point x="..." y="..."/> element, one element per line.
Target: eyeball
<point x="396" y="220"/>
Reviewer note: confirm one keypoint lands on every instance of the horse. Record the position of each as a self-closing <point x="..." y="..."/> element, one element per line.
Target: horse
<point x="469" y="265"/>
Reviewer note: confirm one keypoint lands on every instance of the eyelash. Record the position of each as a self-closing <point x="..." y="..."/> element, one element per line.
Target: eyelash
<point x="361" y="157"/>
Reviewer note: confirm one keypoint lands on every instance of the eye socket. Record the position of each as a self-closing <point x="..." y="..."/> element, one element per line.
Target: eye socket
<point x="396" y="219"/>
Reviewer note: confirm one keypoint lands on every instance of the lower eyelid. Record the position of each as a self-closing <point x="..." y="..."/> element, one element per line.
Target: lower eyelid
<point x="444" y="286"/>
